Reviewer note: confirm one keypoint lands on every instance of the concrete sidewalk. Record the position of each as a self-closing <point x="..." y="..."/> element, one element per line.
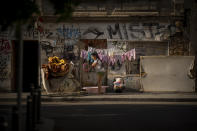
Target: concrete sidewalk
<point x="143" y="97"/>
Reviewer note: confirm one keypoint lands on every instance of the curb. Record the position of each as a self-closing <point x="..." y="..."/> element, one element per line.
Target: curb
<point x="120" y="99"/>
<point x="78" y="99"/>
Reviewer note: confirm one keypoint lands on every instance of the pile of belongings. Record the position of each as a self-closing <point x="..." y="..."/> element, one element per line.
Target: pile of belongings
<point x="56" y="67"/>
<point x="118" y="85"/>
<point x="57" y="76"/>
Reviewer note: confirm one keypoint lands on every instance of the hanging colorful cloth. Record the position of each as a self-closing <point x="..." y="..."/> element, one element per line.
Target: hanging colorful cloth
<point x="84" y="54"/>
<point x="129" y="55"/>
<point x="89" y="59"/>
<point x="107" y="55"/>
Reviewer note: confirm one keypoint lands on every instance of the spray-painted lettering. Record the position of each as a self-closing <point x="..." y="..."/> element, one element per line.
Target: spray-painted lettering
<point x="68" y="32"/>
<point x="5" y="46"/>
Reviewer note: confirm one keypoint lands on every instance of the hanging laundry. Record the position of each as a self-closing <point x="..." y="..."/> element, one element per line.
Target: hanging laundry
<point x="118" y="58"/>
<point x="109" y="55"/>
<point x="84" y="54"/>
<point x="90" y="60"/>
<point x="105" y="59"/>
<point x="112" y="66"/>
<point x="119" y="64"/>
<point x="130" y="54"/>
<point x="90" y="49"/>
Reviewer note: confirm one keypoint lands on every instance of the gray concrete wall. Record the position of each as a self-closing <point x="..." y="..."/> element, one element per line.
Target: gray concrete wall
<point x="61" y="39"/>
<point x="164" y="6"/>
<point x="167" y="73"/>
<point x="150" y="31"/>
<point x="132" y="83"/>
<point x="65" y="35"/>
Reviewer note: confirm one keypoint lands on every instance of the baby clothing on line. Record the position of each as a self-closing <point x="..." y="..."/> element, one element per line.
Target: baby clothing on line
<point x="107" y="55"/>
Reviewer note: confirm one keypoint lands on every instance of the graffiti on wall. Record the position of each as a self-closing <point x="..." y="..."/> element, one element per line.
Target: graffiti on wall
<point x="4" y="60"/>
<point x="68" y="32"/>
<point x="71" y="50"/>
<point x="67" y="50"/>
<point x="95" y="31"/>
<point x="48" y="45"/>
<point x="5" y="57"/>
<point x="58" y="33"/>
<point x="55" y="37"/>
<point x="140" y="31"/>
<point x="4" y="34"/>
<point x="122" y="46"/>
<point x="113" y="31"/>
<point x="124" y="31"/>
<point x="5" y="46"/>
<point x="33" y="33"/>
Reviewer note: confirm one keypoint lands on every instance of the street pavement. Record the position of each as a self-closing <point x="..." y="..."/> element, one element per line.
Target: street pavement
<point x="116" y="116"/>
<point x="122" y="116"/>
<point x="157" y="97"/>
<point x="112" y="112"/>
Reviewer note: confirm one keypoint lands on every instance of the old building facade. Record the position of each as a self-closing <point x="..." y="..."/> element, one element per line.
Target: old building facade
<point x="152" y="28"/>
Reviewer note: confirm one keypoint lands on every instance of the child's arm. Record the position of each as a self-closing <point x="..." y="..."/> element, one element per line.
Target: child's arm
<point x="94" y="63"/>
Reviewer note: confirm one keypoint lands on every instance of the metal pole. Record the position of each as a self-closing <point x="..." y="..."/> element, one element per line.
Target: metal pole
<point x="15" y="119"/>
<point x="34" y="96"/>
<point x="39" y="61"/>
<point x="168" y="48"/>
<point x="29" y="122"/>
<point x="3" y="123"/>
<point x="39" y="79"/>
<point x="34" y="108"/>
<point x="20" y="74"/>
<point x="80" y="64"/>
<point x="38" y="104"/>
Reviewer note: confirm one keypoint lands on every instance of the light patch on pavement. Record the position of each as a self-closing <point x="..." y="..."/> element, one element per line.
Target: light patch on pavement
<point x="104" y="103"/>
<point x="116" y="103"/>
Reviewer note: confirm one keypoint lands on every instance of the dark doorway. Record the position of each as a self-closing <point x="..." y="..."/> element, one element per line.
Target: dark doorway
<point x="30" y="64"/>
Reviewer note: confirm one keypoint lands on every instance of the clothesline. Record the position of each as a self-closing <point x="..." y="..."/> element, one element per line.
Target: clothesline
<point x="108" y="55"/>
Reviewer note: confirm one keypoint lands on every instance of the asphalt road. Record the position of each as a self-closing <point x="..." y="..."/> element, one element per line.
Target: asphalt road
<point x="118" y="116"/>
<point x="122" y="117"/>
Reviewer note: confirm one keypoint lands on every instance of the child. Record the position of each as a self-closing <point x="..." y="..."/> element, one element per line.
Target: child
<point x="99" y="69"/>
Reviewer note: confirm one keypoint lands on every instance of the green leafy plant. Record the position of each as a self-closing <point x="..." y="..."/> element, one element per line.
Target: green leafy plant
<point x="22" y="11"/>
